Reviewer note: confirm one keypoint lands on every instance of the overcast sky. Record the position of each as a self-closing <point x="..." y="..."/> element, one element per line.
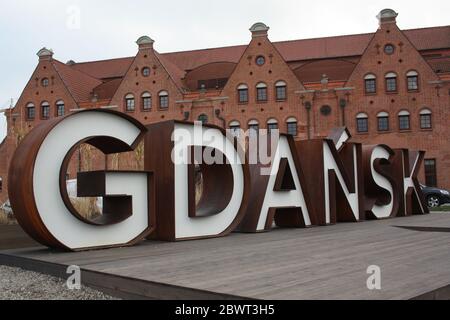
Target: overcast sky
<point x="84" y="30"/>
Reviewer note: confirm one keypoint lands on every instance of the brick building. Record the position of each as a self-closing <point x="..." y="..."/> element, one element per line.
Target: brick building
<point x="391" y="86"/>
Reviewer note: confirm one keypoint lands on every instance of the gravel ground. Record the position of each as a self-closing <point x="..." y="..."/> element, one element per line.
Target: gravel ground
<point x="18" y="284"/>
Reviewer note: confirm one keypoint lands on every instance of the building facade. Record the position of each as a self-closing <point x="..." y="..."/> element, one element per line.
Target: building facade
<point x="391" y="86"/>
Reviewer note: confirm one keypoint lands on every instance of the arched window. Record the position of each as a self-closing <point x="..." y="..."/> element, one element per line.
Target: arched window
<point x="292" y="127"/>
<point x="146" y="101"/>
<point x="242" y="93"/>
<point x="272" y="124"/>
<point x="281" y="92"/>
<point x="130" y="104"/>
<point x="412" y="78"/>
<point x="362" y="123"/>
<point x="391" y="82"/>
<point x="253" y="126"/>
<point x="203" y="118"/>
<point x="425" y="119"/>
<point x="383" y="121"/>
<point x="45" y="110"/>
<point x="164" y="100"/>
<point x="404" y="120"/>
<point x="31" y="111"/>
<point x="60" y="108"/>
<point x="261" y="92"/>
<point x="235" y="127"/>
<point x="370" y="83"/>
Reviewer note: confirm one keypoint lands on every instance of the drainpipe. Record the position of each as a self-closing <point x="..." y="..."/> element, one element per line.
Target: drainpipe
<point x="308" y="107"/>
<point x="343" y="104"/>
<point x="186" y="114"/>
<point x="218" y="116"/>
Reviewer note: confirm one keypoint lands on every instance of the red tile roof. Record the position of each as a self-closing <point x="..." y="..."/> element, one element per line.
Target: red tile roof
<point x="79" y="84"/>
<point x="83" y="78"/>
<point x="189" y="60"/>
<point x="308" y="49"/>
<point x="294" y="50"/>
<point x="334" y="69"/>
<point x="108" y="89"/>
<point x="105" y="69"/>
<point x="440" y="65"/>
<point x="174" y="71"/>
<point x="429" y="38"/>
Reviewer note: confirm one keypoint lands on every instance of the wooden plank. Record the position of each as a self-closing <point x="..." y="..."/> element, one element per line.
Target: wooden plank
<point x="315" y="263"/>
<point x="13" y="237"/>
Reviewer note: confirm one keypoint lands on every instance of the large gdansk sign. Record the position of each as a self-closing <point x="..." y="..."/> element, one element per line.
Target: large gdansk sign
<point x="247" y="187"/>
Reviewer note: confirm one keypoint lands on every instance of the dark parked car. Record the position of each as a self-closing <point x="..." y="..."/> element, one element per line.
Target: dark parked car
<point x="435" y="197"/>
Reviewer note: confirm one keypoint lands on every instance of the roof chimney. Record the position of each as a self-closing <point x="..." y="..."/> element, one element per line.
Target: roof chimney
<point x="145" y="42"/>
<point x="259" y="29"/>
<point x="387" y="16"/>
<point x="45" y="54"/>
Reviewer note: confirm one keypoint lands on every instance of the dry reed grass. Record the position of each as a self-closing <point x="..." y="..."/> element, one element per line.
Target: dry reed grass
<point x="86" y="207"/>
<point x="5" y="219"/>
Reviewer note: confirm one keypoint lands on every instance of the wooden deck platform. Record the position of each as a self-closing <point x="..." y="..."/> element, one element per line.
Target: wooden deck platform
<point x="13" y="237"/>
<point x="318" y="263"/>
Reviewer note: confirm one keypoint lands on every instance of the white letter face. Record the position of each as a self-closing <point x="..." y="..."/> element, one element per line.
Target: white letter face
<point x="184" y="137"/>
<point x="381" y="211"/>
<point x="352" y="198"/>
<point x="282" y="199"/>
<point x="408" y="183"/>
<point x="65" y="227"/>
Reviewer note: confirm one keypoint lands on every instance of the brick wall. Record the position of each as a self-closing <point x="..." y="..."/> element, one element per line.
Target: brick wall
<point x="222" y="107"/>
